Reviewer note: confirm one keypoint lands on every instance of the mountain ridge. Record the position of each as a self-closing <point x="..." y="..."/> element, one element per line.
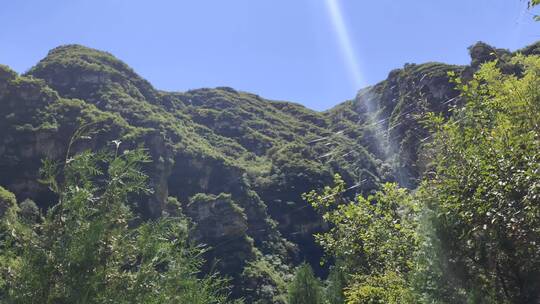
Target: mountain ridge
<point x="226" y="157"/>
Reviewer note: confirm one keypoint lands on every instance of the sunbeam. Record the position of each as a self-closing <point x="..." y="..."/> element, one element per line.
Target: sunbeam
<point x="345" y="43"/>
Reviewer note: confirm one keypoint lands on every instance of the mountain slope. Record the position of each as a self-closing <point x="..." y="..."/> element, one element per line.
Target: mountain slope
<point x="235" y="162"/>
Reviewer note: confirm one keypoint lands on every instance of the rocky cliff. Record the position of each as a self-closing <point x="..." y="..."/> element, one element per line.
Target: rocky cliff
<point x="236" y="163"/>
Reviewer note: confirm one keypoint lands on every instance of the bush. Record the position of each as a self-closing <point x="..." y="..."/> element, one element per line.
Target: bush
<point x="305" y="287"/>
<point x="89" y="251"/>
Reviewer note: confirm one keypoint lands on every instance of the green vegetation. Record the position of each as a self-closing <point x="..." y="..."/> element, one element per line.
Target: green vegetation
<point x="263" y="153"/>
<point x="434" y="197"/>
<point x="470" y="232"/>
<point x="335" y="286"/>
<point x="484" y="187"/>
<point x="87" y="250"/>
<point x="531" y="4"/>
<point x="8" y="239"/>
<point x="305" y="287"/>
<point x="373" y="239"/>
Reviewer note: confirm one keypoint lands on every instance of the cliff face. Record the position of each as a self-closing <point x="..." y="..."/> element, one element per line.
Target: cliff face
<point x="389" y="114"/>
<point x="236" y="163"/>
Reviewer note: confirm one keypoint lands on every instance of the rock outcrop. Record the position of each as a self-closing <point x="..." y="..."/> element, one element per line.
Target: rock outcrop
<point x="236" y="163"/>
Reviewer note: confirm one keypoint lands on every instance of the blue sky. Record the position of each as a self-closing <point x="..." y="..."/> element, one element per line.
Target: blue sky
<point x="315" y="52"/>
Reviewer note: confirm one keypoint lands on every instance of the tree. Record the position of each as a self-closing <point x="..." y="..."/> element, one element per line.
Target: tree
<point x="335" y="286"/>
<point x="373" y="238"/>
<point x="305" y="287"/>
<point x="89" y="249"/>
<point x="10" y="231"/>
<point x="484" y="188"/>
<point x="531" y="4"/>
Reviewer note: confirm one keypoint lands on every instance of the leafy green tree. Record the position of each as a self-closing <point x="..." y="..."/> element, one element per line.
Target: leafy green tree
<point x="388" y="288"/>
<point x="484" y="189"/>
<point x="305" y="288"/>
<point x="7" y="203"/>
<point x="531" y="4"/>
<point x="90" y="248"/>
<point x="335" y="286"/>
<point x="471" y="232"/>
<point x="10" y="228"/>
<point x="29" y="212"/>
<point x="374" y="238"/>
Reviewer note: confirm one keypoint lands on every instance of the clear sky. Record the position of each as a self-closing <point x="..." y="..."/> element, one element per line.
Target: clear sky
<point x="315" y="52"/>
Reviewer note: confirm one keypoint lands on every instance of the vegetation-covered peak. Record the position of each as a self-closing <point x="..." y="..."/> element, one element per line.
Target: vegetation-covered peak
<point x="78" y="71"/>
<point x="246" y="160"/>
<point x="74" y="55"/>
<point x="81" y="51"/>
<point x="6" y="73"/>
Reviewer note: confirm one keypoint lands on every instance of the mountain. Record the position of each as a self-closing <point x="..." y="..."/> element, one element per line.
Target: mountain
<point x="235" y="162"/>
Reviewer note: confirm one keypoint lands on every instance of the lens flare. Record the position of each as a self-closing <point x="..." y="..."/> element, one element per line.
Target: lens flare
<point x="345" y="43"/>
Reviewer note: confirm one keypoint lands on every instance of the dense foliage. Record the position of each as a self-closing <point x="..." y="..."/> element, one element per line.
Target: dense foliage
<point x="305" y="287"/>
<point x="262" y="153"/>
<point x="470" y="233"/>
<point x="484" y="186"/>
<point x="89" y="248"/>
<point x="373" y="240"/>
<point x="236" y="165"/>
